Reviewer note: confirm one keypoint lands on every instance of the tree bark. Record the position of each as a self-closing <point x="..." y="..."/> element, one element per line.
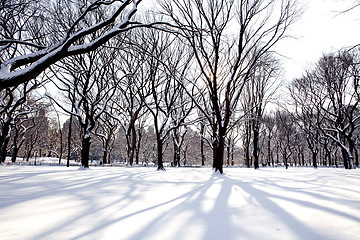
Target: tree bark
<point x="14" y="154"/>
<point x="138" y="144"/>
<point x="176" y="162"/>
<point x="314" y="158"/>
<point x="256" y="148"/>
<point x="4" y="140"/>
<point x="85" y="151"/>
<point x="69" y="140"/>
<point x="269" y="151"/>
<point x="356" y="157"/>
<point x="160" y="153"/>
<point x="247" y="154"/>
<point x="219" y="153"/>
<point x="202" y="130"/>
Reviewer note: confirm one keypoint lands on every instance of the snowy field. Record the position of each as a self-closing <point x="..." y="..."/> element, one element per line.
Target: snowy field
<point x="43" y="202"/>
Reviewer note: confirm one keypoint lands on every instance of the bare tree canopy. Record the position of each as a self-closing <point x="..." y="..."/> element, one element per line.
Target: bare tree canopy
<point x="24" y="51"/>
<point x="228" y="39"/>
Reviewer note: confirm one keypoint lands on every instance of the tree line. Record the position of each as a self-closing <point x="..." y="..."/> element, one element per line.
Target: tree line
<point x="188" y="83"/>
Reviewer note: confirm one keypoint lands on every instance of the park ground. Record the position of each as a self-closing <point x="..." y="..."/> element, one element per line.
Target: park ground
<point x="55" y="202"/>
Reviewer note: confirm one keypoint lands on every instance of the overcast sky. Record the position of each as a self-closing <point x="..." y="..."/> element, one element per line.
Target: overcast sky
<point x="321" y="29"/>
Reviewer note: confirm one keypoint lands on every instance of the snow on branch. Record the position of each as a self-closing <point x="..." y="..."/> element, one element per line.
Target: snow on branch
<point x="20" y="69"/>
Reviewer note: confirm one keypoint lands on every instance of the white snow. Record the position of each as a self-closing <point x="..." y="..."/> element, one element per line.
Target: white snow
<point x="44" y="202"/>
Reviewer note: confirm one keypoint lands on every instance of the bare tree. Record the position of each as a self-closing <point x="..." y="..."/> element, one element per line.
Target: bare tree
<point x="269" y="123"/>
<point x="128" y="104"/>
<point x="90" y="82"/>
<point x="285" y="135"/>
<point x="167" y="62"/>
<point x="106" y="131"/>
<point x="260" y="89"/>
<point x="225" y="61"/>
<point x="36" y="137"/>
<point x="339" y="76"/>
<point x="306" y="98"/>
<point x="14" y="104"/>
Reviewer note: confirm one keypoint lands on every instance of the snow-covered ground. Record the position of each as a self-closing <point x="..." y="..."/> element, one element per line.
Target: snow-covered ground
<point x="44" y="202"/>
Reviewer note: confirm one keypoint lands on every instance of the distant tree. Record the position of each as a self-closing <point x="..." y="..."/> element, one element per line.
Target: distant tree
<point x="339" y="75"/>
<point x="36" y="137"/>
<point x="269" y="123"/>
<point x="285" y="135"/>
<point x="106" y="131"/>
<point x="306" y="100"/>
<point x="72" y="133"/>
<point x="259" y="90"/>
<point x="15" y="103"/>
<point x="128" y="104"/>
<point x="168" y="59"/>
<point x="22" y="125"/>
<point x="89" y="82"/>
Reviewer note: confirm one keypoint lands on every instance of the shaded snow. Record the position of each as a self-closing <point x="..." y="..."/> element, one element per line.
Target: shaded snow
<point x="180" y="203"/>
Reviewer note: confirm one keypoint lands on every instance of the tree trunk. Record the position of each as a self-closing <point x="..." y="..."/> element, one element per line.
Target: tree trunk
<point x="350" y="153"/>
<point x="14" y="154"/>
<point x="85" y="151"/>
<point x="104" y="161"/>
<point x="256" y="147"/>
<point x="356" y="157"/>
<point x="185" y="159"/>
<point x="160" y="154"/>
<point x="28" y="155"/>
<point x="345" y="158"/>
<point x="133" y="143"/>
<point x="3" y="149"/>
<point x="138" y="144"/>
<point x="202" y="129"/>
<point x="106" y="149"/>
<point x="303" y="158"/>
<point x="4" y="140"/>
<point x="247" y="154"/>
<point x="219" y="153"/>
<point x="314" y="158"/>
<point x="228" y="152"/>
<point x="176" y="160"/>
<point x="285" y="159"/>
<point x="269" y="151"/>
<point x="232" y="156"/>
<point x="61" y="145"/>
<point x="69" y="141"/>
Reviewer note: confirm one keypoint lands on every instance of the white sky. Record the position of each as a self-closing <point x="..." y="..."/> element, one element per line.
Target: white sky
<point x="321" y="29"/>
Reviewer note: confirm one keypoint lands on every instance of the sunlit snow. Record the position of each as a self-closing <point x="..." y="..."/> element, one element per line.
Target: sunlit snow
<point x="43" y="202"/>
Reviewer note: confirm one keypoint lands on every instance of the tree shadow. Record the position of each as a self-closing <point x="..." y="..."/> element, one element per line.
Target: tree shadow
<point x="124" y="204"/>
